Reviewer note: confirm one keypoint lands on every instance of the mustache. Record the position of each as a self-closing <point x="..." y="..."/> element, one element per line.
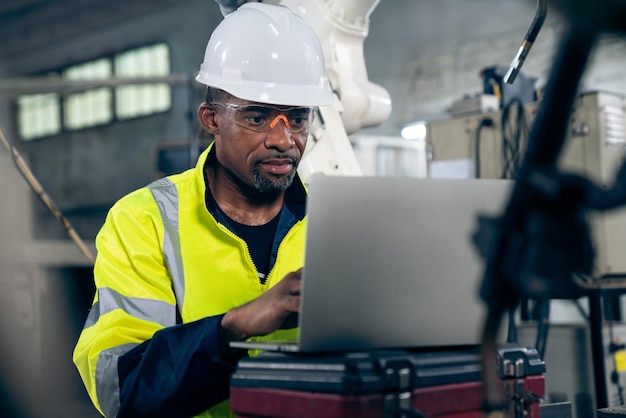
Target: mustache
<point x="292" y="157"/>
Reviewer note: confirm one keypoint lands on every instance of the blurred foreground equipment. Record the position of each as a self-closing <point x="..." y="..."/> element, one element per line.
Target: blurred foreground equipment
<point x="543" y="240"/>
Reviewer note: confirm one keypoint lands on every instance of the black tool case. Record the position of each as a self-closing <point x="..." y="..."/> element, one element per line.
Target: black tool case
<point x="396" y="383"/>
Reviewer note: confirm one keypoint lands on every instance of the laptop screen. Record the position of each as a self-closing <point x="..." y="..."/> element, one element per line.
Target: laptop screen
<point x="390" y="263"/>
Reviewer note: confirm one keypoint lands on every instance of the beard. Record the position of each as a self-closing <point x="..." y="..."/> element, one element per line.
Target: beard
<point x="265" y="184"/>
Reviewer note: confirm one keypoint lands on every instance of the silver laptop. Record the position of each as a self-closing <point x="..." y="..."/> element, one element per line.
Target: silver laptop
<point x="389" y="263"/>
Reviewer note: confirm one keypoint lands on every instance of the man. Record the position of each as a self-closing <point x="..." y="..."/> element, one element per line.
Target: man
<point x="199" y="259"/>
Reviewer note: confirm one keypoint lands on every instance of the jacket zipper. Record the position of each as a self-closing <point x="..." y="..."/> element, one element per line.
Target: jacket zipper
<point x="263" y="287"/>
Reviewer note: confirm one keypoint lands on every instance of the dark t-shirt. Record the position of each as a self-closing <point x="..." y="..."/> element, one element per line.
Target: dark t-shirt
<point x="259" y="240"/>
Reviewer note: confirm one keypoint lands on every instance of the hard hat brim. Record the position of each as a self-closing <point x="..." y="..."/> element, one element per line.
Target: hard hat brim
<point x="271" y="93"/>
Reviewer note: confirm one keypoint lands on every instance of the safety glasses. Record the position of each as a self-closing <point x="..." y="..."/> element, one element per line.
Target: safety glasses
<point x="262" y="118"/>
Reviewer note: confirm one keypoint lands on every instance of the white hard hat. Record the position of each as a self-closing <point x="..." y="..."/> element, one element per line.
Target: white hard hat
<point x="265" y="53"/>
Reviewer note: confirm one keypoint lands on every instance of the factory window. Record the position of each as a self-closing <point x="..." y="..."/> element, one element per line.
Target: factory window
<point x="91" y="107"/>
<point x="38" y="115"/>
<point x="142" y="99"/>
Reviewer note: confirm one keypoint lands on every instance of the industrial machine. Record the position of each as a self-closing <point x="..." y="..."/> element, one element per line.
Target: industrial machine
<point x="490" y="145"/>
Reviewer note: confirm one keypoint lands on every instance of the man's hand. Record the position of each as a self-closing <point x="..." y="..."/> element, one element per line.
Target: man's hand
<point x="275" y="309"/>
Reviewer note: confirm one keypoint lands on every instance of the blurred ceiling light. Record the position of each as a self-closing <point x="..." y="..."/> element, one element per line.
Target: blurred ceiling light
<point x="415" y="130"/>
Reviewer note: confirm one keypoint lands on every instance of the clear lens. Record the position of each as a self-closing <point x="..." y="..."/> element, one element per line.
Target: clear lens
<point x="262" y="118"/>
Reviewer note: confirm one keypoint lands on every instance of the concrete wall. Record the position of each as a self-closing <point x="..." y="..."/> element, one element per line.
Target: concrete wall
<point x="45" y="290"/>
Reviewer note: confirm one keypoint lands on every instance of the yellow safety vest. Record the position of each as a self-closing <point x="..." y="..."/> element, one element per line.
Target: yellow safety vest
<point x="159" y="251"/>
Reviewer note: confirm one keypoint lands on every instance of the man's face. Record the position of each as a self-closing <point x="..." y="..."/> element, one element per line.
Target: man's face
<point x="259" y="146"/>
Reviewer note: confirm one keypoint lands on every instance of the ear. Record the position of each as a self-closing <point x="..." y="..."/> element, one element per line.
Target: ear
<point x="209" y="118"/>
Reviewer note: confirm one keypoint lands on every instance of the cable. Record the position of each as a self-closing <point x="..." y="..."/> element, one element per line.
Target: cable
<point x="529" y="39"/>
<point x="484" y="122"/>
<point x="613" y="349"/>
<point x="515" y="134"/>
<point x="543" y="315"/>
<point x="512" y="327"/>
<point x="492" y="405"/>
<point x="580" y="309"/>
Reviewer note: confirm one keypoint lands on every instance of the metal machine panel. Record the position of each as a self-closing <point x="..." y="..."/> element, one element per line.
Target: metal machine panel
<point x="454" y="140"/>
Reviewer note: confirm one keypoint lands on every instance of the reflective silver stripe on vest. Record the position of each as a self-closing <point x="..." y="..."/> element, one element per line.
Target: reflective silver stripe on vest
<point x="166" y="196"/>
<point x="106" y="371"/>
<point x="107" y="378"/>
<point x="156" y="311"/>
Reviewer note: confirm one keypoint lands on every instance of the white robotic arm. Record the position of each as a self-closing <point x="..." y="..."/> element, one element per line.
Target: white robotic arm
<point x="341" y="26"/>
